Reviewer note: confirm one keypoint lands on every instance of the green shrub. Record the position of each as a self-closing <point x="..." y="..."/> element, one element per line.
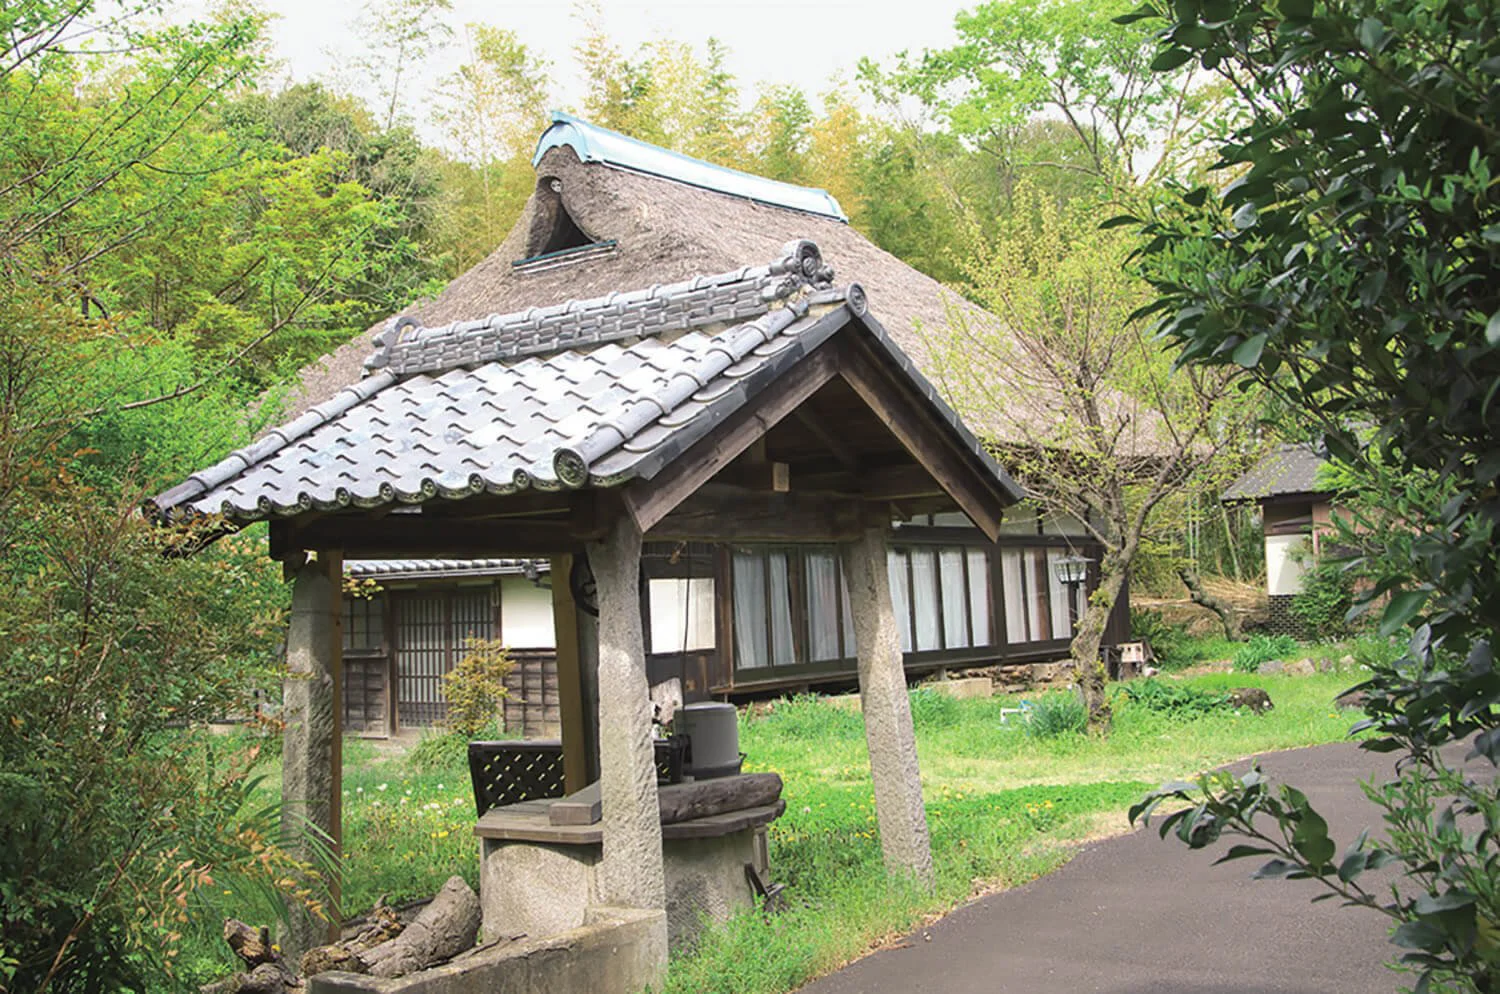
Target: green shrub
<point x="807" y="716"/>
<point x="931" y="708"/>
<point x="1322" y="606"/>
<point x="1175" y="700"/>
<point x="442" y="749"/>
<point x="1055" y="714"/>
<point x="475" y="688"/>
<point x="1167" y="640"/>
<point x="1372" y="650"/>
<point x="1262" y="649"/>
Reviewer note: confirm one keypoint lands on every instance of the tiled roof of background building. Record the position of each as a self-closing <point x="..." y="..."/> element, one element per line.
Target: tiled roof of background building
<point x="1287" y="469"/>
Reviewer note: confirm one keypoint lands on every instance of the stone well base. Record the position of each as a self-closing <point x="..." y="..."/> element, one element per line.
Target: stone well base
<point x="543" y="888"/>
<point x="613" y="951"/>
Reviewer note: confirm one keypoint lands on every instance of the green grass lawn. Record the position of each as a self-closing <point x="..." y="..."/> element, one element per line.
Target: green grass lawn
<point x="1004" y="806"/>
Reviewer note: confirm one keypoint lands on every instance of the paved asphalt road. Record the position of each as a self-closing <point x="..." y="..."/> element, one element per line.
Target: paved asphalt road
<point x="1138" y="915"/>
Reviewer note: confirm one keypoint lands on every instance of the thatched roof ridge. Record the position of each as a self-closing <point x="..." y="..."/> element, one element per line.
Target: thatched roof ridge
<point x="664" y="231"/>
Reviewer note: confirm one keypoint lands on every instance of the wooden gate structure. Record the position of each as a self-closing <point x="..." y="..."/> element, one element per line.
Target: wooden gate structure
<point x="578" y="431"/>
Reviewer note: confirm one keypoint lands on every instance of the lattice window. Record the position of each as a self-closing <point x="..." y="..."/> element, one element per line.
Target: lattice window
<point x="433" y="630"/>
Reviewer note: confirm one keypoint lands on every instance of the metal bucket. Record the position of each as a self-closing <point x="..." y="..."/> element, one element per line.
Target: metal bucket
<point x="713" y="733"/>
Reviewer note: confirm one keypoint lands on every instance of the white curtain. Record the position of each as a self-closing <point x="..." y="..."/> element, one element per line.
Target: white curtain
<point x="783" y="652"/>
<point x="682" y="613"/>
<point x="955" y="606"/>
<point x="823" y="608"/>
<point x="925" y="592"/>
<point x="896" y="570"/>
<point x="1012" y="572"/>
<point x="979" y="595"/>
<point x="750" y="651"/>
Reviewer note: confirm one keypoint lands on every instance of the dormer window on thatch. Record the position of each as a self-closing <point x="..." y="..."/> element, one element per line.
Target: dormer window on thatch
<point x="555" y="237"/>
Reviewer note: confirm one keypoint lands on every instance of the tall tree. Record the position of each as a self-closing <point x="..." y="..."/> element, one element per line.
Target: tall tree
<point x="1081" y="399"/>
<point x="1352" y="266"/>
<point x="116" y="816"/>
<point x="398" y="35"/>
<point x="491" y="109"/>
<point x="1067" y="61"/>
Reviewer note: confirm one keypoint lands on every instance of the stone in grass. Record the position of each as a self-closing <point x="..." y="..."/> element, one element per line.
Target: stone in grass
<point x="1351" y="700"/>
<point x="1302" y="667"/>
<point x="1253" y="698"/>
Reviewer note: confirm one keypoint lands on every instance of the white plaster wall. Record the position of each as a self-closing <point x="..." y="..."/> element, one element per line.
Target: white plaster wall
<point x="526" y="614"/>
<point x="1283" y="571"/>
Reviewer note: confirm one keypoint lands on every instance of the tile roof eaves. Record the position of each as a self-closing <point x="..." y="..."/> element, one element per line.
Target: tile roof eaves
<point x="275" y="440"/>
<point x="573" y="462"/>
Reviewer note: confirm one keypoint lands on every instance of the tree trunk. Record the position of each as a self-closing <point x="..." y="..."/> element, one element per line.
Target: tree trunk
<point x="1203" y="598"/>
<point x="1088" y="661"/>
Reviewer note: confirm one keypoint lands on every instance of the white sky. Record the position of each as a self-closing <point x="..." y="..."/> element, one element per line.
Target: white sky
<point x="769" y="41"/>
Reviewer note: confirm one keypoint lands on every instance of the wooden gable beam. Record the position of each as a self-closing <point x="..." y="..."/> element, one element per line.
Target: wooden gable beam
<point x="719" y="513"/>
<point x="649" y="501"/>
<point x="919" y="433"/>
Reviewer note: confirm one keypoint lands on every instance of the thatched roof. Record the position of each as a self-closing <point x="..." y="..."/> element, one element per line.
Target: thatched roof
<point x="662" y="230"/>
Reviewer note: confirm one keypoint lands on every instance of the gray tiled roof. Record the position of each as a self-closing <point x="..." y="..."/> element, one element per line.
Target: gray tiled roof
<point x="483" y="407"/>
<point x="1287" y="469"/>
<point x="388" y="569"/>
<point x="708" y="300"/>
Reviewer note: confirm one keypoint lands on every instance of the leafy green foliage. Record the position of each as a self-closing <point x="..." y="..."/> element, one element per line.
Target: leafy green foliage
<point x="807" y="717"/>
<point x="475" y="688"/>
<point x="1352" y="266"/>
<point x="1058" y="89"/>
<point x="1166" y="639"/>
<point x="1174" y="700"/>
<point x="1262" y="649"/>
<point x="1062" y="372"/>
<point x="931" y="708"/>
<point x="116" y="817"/>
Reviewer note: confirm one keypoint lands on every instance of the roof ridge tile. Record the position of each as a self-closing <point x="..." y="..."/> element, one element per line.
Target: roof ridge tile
<point x="406" y="348"/>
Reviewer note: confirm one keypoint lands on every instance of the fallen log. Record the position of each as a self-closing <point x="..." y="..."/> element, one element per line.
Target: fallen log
<point x="700" y="798"/>
<point x="265" y="971"/>
<point x="443" y="929"/>
<point x="382" y="927"/>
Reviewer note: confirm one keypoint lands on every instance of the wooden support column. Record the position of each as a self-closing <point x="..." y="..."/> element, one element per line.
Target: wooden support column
<point x="892" y="741"/>
<point x="312" y="743"/>
<point x="576" y="675"/>
<point x="631" y="873"/>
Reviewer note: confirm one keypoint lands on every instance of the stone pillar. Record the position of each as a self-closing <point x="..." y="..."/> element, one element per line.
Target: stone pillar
<point x="631" y="873"/>
<point x="887" y="710"/>
<point x="312" y="753"/>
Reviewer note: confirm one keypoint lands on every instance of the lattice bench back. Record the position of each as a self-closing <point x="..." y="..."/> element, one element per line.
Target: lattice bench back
<point x="516" y="771"/>
<point x="512" y="772"/>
